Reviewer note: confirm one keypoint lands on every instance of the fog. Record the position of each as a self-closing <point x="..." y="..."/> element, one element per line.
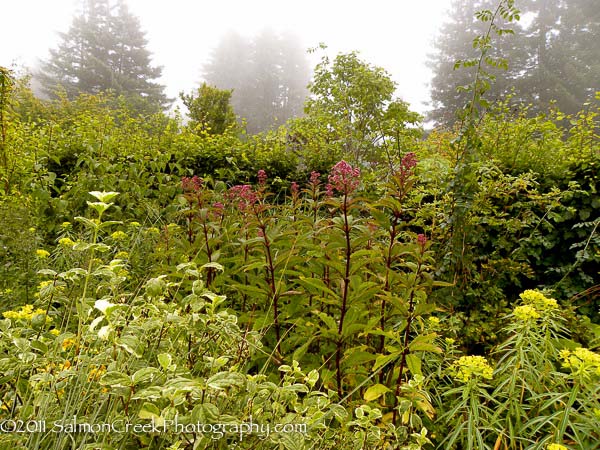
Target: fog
<point x="396" y="35"/>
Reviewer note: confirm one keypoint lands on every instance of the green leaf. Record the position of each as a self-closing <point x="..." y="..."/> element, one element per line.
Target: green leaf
<point x="424" y="347"/>
<point x="115" y="379"/>
<point x="328" y="321"/>
<point x="213" y="265"/>
<point x="316" y="286"/>
<point x="383" y="360"/>
<point x="292" y="441"/>
<point x="89" y="223"/>
<point x="48" y="272"/>
<point x="131" y="344"/>
<point x="104" y="196"/>
<point x="374" y="392"/>
<point x="21" y="343"/>
<point x="145" y="375"/>
<point x="223" y="380"/>
<point x="164" y="359"/>
<point x="149" y="411"/>
<point x="39" y="346"/>
<point x="205" y="413"/>
<point x="414" y="364"/>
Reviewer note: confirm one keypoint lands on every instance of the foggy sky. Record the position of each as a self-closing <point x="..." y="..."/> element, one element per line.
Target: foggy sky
<point x="394" y="34"/>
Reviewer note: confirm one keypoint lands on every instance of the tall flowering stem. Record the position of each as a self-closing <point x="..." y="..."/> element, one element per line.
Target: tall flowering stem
<point x="398" y="188"/>
<point x="314" y="193"/>
<point x="252" y="202"/>
<point x="194" y="193"/>
<point x="343" y="180"/>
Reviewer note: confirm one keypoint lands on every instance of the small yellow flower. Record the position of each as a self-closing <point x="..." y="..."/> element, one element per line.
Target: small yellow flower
<point x="434" y="321"/>
<point x="581" y="361"/>
<point x="153" y="230"/>
<point x="526" y="313"/>
<point x="26" y="313"/>
<point x="134" y="224"/>
<point x="32" y="230"/>
<point x="556" y="447"/>
<point x="538" y="300"/>
<point x="96" y="373"/>
<point x="66" y="242"/>
<point x="118" y="236"/>
<point x="55" y="331"/>
<point x="68" y="343"/>
<point x="66" y="225"/>
<point x="467" y="368"/>
<point x="449" y="341"/>
<point x="40" y="253"/>
<point x="122" y="255"/>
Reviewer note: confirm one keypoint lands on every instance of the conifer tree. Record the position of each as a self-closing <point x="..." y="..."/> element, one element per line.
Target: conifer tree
<point x="105" y="50"/>
<point x="268" y="76"/>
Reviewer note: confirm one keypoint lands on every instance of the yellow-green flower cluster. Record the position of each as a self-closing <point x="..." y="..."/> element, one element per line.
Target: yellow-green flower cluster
<point x="41" y="253"/>
<point x="119" y="236"/>
<point x="26" y="313"/>
<point x="467" y="368"/>
<point x="582" y="361"/>
<point x="173" y="227"/>
<point x="434" y="322"/>
<point x="66" y="242"/>
<point x="526" y="313"/>
<point x="122" y="255"/>
<point x="556" y="447"/>
<point x="538" y="300"/>
<point x="535" y="305"/>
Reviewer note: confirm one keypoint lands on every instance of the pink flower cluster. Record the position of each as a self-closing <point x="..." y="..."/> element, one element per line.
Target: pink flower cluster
<point x="218" y="210"/>
<point x="314" y="177"/>
<point x="343" y="178"/>
<point x="243" y="195"/>
<point x="421" y="242"/>
<point x="193" y="184"/>
<point x="262" y="177"/>
<point x="407" y="166"/>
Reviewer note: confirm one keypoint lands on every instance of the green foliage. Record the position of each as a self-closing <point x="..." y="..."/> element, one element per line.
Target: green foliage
<point x="353" y="101"/>
<point x="209" y="110"/>
<point x="264" y="279"/>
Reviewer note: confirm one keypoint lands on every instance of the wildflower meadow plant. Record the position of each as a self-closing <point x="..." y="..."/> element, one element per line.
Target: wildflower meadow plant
<point x="343" y="179"/>
<point x="471" y="368"/>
